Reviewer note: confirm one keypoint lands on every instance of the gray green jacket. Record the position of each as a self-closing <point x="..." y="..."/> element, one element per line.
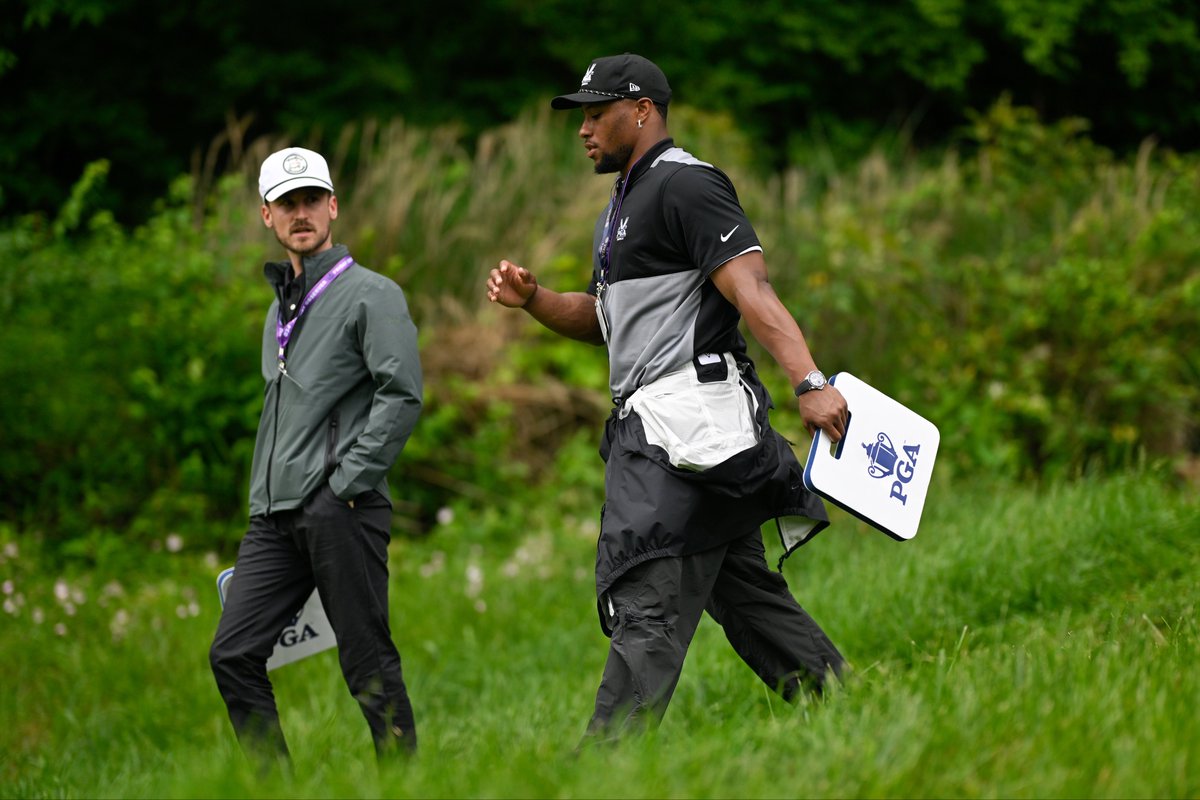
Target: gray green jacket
<point x="351" y="395"/>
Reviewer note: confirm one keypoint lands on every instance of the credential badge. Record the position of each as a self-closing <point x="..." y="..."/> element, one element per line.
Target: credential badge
<point x="294" y="164"/>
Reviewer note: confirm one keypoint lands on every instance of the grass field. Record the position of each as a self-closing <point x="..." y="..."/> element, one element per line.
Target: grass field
<point x="1030" y="642"/>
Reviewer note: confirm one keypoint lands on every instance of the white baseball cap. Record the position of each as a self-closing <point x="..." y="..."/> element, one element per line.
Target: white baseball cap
<point x="290" y="169"/>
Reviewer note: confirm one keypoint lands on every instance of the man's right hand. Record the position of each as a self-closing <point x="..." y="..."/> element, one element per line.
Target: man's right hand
<point x="825" y="410"/>
<point x="511" y="285"/>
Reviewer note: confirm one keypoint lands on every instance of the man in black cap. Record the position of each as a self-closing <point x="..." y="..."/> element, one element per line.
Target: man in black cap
<point x="693" y="467"/>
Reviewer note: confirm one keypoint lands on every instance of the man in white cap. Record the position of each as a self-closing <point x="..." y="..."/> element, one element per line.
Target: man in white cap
<point x="343" y="393"/>
<point x="693" y="467"/>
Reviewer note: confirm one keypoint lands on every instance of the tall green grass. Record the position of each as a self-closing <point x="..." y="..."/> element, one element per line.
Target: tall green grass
<point x="1032" y="641"/>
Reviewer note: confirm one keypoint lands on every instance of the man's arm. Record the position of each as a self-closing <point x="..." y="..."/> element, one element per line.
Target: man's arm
<point x="570" y="314"/>
<point x="743" y="281"/>
<point x="389" y="347"/>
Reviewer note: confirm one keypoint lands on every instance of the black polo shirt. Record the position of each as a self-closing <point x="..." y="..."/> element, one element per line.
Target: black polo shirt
<point x="668" y="228"/>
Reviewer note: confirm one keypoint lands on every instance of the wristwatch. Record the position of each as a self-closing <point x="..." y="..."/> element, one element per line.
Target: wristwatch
<point x="813" y="380"/>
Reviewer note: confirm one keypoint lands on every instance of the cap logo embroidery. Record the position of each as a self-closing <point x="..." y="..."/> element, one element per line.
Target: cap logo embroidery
<point x="633" y="87"/>
<point x="587" y="76"/>
<point x="294" y="164"/>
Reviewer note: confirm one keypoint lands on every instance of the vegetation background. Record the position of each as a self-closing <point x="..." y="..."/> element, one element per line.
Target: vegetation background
<point x="985" y="209"/>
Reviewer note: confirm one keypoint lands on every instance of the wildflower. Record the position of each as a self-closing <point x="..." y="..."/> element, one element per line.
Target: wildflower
<point x="38" y="616"/>
<point x="10" y="550"/>
<point x="60" y="629"/>
<point x="174" y="543"/>
<point x="437" y="562"/>
<point x="474" y="580"/>
<point x="7" y="587"/>
<point x="445" y="515"/>
<point x="10" y="607"/>
<point x="119" y="623"/>
<point x="61" y="590"/>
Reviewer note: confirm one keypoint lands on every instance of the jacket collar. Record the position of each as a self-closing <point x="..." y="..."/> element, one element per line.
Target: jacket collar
<point x="648" y="158"/>
<point x="315" y="266"/>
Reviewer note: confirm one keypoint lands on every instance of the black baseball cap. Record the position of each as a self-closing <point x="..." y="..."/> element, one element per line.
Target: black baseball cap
<point x="615" y="77"/>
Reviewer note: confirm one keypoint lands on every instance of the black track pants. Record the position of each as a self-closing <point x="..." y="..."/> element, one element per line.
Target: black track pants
<point x="654" y="610"/>
<point x="342" y="551"/>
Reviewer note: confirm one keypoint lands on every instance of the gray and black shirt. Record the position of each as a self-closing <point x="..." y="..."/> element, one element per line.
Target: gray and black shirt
<point x="673" y="222"/>
<point x="668" y="227"/>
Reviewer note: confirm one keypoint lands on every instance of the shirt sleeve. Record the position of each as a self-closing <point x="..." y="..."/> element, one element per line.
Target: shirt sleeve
<point x="703" y="215"/>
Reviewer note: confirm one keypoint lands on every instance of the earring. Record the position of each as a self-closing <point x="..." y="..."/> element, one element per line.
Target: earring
<point x="639" y="123"/>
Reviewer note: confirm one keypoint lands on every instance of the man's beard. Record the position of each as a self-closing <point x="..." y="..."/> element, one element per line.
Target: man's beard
<point x="308" y="250"/>
<point x="614" y="161"/>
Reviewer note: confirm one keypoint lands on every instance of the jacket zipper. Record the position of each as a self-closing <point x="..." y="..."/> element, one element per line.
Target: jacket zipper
<point x="274" y="439"/>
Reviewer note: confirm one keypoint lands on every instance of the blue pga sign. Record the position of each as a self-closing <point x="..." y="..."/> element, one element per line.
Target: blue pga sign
<point x="307" y="633"/>
<point x="883" y="476"/>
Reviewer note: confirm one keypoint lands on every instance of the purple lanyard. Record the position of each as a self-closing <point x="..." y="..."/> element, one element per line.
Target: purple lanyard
<point x="283" y="333"/>
<point x="614" y="215"/>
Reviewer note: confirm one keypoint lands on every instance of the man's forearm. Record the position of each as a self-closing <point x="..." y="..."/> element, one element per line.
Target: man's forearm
<point x="570" y="314"/>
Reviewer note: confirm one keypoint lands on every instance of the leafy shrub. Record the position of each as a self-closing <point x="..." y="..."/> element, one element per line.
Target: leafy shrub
<point x="1033" y="295"/>
<point x="1028" y="293"/>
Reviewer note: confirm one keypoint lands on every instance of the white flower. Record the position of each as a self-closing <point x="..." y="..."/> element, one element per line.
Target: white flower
<point x="174" y="543"/>
<point x="7" y="587"/>
<point x="61" y="590"/>
<point x="60" y="629"/>
<point x="474" y="580"/>
<point x="445" y="515"/>
<point x="437" y="562"/>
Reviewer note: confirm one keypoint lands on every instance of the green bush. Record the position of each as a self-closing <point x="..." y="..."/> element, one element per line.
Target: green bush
<point x="1028" y="293"/>
<point x="132" y="381"/>
<point x="1033" y="295"/>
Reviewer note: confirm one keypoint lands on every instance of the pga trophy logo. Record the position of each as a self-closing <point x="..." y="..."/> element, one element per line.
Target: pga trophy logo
<point x="884" y="461"/>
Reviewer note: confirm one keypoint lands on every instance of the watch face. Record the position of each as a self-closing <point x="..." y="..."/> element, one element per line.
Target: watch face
<point x="816" y="379"/>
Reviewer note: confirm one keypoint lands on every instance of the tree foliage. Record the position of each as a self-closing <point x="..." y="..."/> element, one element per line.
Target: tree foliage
<point x="149" y="85"/>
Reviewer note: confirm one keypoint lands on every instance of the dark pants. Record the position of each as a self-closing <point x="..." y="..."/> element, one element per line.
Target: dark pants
<point x="342" y="551"/>
<point x="654" y="610"/>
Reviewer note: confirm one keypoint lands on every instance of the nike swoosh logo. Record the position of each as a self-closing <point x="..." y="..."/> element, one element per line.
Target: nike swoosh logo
<point x="725" y="238"/>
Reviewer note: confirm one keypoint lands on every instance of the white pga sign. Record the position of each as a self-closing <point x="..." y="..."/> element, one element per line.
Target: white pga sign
<point x="309" y="631"/>
<point x="880" y="470"/>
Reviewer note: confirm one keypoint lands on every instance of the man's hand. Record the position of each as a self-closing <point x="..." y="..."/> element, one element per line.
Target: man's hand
<point x="825" y="409"/>
<point x="511" y="285"/>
